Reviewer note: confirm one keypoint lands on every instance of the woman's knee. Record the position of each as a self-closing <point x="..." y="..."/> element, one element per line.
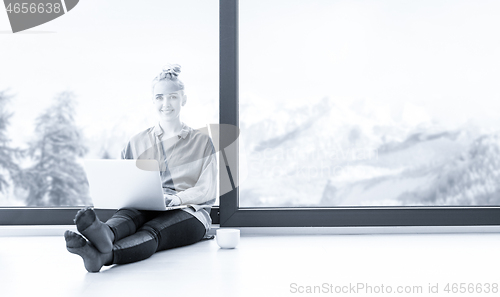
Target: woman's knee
<point x="174" y="229"/>
<point x="126" y="221"/>
<point x="168" y="218"/>
<point x="127" y="213"/>
<point x="182" y="233"/>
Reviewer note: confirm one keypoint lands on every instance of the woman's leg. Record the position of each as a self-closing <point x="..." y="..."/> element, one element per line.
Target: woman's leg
<point x="98" y="250"/>
<point x="126" y="221"/>
<point x="102" y="235"/>
<point x="166" y="230"/>
<point x="92" y="258"/>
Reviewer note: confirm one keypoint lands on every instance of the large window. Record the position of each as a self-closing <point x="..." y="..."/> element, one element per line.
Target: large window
<point x="80" y="86"/>
<point x="356" y="103"/>
<point x="363" y="112"/>
<point x="351" y="113"/>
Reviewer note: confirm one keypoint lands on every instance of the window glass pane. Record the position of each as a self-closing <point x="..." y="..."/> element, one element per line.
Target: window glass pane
<point x="80" y="87"/>
<point x="380" y="103"/>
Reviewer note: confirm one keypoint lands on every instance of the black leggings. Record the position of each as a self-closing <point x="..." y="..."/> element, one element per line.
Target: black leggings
<point x="139" y="234"/>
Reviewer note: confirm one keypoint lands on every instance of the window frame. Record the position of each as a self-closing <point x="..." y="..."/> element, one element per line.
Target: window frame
<point x="13" y="216"/>
<point x="233" y="216"/>
<point x="228" y="214"/>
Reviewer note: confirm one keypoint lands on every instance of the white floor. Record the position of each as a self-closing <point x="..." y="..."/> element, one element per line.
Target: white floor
<point x="260" y="266"/>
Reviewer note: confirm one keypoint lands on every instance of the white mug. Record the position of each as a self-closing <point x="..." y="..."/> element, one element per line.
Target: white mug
<point x="227" y="238"/>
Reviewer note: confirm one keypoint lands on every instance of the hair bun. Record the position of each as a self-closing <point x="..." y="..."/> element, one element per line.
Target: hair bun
<point x="170" y="71"/>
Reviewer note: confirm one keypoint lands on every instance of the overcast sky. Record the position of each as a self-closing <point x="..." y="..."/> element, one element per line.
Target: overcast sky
<point x="434" y="54"/>
<point x="438" y="56"/>
<point x="108" y="52"/>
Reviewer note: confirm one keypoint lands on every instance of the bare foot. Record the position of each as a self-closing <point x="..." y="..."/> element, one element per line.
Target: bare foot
<point x="98" y="233"/>
<point x="92" y="258"/>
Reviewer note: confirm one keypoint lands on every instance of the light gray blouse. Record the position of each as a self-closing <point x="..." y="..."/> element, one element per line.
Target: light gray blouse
<point x="188" y="166"/>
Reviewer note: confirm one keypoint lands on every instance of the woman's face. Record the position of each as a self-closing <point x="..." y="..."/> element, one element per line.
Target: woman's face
<point x="168" y="99"/>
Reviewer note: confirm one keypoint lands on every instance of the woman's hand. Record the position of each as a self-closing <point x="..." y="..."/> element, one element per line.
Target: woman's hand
<point x="171" y="200"/>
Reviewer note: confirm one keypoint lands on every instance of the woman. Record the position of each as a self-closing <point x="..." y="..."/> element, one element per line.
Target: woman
<point x="188" y="172"/>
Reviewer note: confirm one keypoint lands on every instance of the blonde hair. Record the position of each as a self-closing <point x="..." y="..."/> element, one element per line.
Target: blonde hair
<point x="170" y="72"/>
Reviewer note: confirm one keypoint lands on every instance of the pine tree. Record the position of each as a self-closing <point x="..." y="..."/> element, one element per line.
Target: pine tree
<point x="56" y="178"/>
<point x="7" y="154"/>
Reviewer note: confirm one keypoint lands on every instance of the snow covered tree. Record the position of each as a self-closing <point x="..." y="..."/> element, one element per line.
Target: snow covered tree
<point x="8" y="166"/>
<point x="56" y="178"/>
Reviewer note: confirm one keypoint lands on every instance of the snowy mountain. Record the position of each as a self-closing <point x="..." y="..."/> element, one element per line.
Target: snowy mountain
<point x="469" y="179"/>
<point x="329" y="154"/>
<point x="441" y="171"/>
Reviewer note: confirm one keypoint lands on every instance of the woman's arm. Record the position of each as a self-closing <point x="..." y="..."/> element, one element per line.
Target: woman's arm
<point x="205" y="188"/>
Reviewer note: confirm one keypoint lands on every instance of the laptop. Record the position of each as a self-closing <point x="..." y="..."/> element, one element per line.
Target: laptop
<point x="116" y="184"/>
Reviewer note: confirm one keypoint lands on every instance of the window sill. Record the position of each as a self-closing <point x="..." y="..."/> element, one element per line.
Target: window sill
<point x="58" y="230"/>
